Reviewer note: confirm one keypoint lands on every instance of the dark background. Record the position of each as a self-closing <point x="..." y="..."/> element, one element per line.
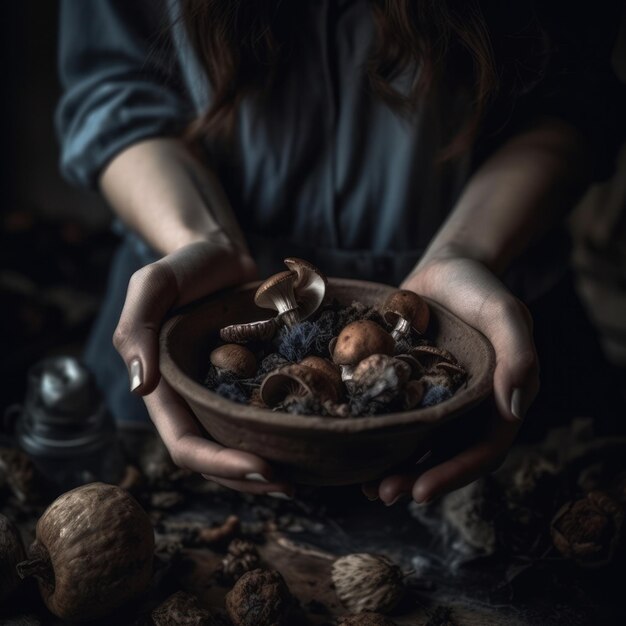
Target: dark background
<point x="55" y="240"/>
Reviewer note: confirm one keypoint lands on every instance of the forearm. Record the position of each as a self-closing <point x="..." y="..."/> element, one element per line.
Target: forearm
<point x="161" y="191"/>
<point x="518" y="194"/>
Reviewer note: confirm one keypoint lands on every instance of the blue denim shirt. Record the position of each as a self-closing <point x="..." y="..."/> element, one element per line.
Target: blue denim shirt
<point x="324" y="169"/>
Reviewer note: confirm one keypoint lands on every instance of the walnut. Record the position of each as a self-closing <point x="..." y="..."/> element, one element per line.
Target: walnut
<point x="259" y="598"/>
<point x="588" y="530"/>
<point x="366" y="619"/>
<point x="182" y="609"/>
<point x="367" y="582"/>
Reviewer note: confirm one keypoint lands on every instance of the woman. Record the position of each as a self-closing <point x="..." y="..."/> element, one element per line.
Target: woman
<point x="433" y="144"/>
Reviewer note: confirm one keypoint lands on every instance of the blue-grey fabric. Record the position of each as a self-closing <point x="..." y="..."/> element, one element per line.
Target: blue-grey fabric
<point x="321" y="168"/>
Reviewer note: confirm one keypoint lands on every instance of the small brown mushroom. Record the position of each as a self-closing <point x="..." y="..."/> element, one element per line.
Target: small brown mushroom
<point x="277" y="293"/>
<point x="357" y="341"/>
<point x="310" y="286"/>
<point x="234" y="359"/>
<point x="380" y="373"/>
<point x="328" y="368"/>
<point x="263" y="330"/>
<point x="404" y="310"/>
<point x="297" y="380"/>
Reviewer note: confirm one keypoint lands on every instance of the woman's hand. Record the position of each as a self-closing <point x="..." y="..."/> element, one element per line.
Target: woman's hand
<point x="190" y="272"/>
<point x="471" y="291"/>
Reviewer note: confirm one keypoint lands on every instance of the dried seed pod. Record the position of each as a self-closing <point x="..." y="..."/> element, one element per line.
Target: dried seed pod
<point x="589" y="530"/>
<point x="259" y="598"/>
<point x="380" y="373"/>
<point x="182" y="609"/>
<point x="297" y="380"/>
<point x="404" y="310"/>
<point x="92" y="552"/>
<point x="242" y="557"/>
<point x="366" y="619"/>
<point x="234" y="359"/>
<point x="357" y="341"/>
<point x="368" y="582"/>
<point x="263" y="330"/>
<point x="11" y="553"/>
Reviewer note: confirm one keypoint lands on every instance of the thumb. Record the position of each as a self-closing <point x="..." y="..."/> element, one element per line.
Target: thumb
<point x="152" y="291"/>
<point x="183" y="276"/>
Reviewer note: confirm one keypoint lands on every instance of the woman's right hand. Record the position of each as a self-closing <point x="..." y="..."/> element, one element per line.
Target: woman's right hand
<point x="195" y="270"/>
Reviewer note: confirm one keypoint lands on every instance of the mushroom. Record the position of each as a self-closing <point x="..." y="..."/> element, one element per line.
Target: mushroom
<point x="430" y="356"/>
<point x="277" y="293"/>
<point x="297" y="380"/>
<point x="310" y="286"/>
<point x="328" y="368"/>
<point x="417" y="370"/>
<point x="404" y="310"/>
<point x="234" y="359"/>
<point x="263" y="330"/>
<point x="357" y="341"/>
<point x="380" y="373"/>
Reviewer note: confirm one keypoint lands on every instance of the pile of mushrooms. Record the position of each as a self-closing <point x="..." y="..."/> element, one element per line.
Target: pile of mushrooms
<point x="387" y="369"/>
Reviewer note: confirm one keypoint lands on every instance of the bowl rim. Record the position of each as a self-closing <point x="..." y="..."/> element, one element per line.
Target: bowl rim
<point x="187" y="387"/>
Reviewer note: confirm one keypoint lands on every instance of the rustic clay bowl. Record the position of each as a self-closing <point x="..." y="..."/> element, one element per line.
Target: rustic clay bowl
<point x="310" y="449"/>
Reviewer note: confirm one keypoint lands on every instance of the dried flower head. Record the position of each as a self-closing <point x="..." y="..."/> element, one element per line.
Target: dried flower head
<point x="368" y="582"/>
<point x="589" y="530"/>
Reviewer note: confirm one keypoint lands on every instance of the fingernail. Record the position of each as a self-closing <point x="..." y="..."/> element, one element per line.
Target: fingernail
<point x="371" y="498"/>
<point x="136" y="374"/>
<point x="398" y="497"/>
<point x="257" y="478"/>
<point x="279" y="494"/>
<point x="518" y="404"/>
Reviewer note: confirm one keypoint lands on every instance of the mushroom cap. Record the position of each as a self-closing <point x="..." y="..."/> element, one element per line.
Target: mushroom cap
<point x="277" y="292"/>
<point x="407" y="305"/>
<point x="310" y="285"/>
<point x="299" y="380"/>
<point x="328" y="368"/>
<point x="382" y="372"/>
<point x="235" y="359"/>
<point x="359" y="340"/>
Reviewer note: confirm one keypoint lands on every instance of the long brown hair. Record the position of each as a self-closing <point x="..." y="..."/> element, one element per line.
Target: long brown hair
<point x="242" y="43"/>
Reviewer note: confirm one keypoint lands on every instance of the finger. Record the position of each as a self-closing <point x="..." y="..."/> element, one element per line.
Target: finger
<point x="189" y="449"/>
<point x="253" y="487"/>
<point x="152" y="291"/>
<point x="394" y="487"/>
<point x="473" y="293"/>
<point x="370" y="490"/>
<point x="181" y="277"/>
<point x="507" y="324"/>
<point x="468" y="465"/>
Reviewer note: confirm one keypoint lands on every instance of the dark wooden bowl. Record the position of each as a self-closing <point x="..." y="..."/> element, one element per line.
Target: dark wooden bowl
<point x="313" y="449"/>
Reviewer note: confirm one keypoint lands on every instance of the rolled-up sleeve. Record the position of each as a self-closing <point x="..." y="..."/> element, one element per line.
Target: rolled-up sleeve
<point x="121" y="82"/>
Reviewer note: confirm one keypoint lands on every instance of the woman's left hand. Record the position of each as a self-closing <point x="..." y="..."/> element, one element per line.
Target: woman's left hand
<point x="468" y="289"/>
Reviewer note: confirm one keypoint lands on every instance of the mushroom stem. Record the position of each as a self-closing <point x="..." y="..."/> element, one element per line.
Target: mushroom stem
<point x="402" y="328"/>
<point x="290" y="317"/>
